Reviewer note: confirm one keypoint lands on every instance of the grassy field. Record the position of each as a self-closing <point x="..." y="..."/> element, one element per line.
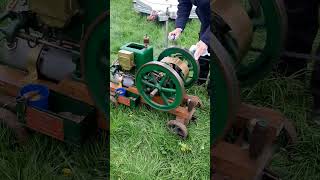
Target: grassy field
<point x="138" y="141"/>
<point x="141" y="146"/>
<point x="43" y="158"/>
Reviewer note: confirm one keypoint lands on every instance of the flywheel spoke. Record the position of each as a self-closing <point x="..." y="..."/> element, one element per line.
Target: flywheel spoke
<point x="168" y="90"/>
<point x="163" y="80"/>
<point x="164" y="98"/>
<point x="148" y="83"/>
<point x="153" y="78"/>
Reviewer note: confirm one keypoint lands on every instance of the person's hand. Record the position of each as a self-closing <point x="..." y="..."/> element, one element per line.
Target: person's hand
<point x="200" y="49"/>
<point x="173" y="35"/>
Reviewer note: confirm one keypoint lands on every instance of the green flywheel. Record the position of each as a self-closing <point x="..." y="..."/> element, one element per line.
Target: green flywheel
<point x="159" y="79"/>
<point x="94" y="53"/>
<point x="225" y="98"/>
<point x="269" y="24"/>
<point x="184" y="55"/>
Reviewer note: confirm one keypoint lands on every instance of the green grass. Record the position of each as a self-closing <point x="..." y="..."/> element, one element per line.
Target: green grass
<point x="141" y="146"/>
<point x="44" y="158"/>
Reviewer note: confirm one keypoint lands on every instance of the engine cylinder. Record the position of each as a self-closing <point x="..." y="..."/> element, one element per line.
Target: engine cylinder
<point x="52" y="63"/>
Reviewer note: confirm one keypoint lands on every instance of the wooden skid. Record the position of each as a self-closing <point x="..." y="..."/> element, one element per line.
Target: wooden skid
<point x="232" y="161"/>
<point x="12" y="80"/>
<point x="182" y="113"/>
<point x="45" y="124"/>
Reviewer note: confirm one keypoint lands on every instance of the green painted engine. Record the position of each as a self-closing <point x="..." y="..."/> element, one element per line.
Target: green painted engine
<point x="59" y="37"/>
<point x="166" y="77"/>
<point x="247" y="39"/>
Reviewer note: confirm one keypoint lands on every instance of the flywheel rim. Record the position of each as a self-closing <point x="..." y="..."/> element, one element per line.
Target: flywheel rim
<point x="144" y="79"/>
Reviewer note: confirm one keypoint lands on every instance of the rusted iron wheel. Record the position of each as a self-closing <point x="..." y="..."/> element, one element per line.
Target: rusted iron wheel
<point x="178" y="128"/>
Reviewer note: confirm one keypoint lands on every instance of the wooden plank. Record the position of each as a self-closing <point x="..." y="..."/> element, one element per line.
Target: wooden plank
<point x="234" y="162"/>
<point x="275" y="119"/>
<point x="45" y="123"/>
<point x="12" y="80"/>
<point x="181" y="112"/>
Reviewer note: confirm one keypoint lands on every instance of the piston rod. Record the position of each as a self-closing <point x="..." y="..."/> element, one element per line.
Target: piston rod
<point x="37" y="40"/>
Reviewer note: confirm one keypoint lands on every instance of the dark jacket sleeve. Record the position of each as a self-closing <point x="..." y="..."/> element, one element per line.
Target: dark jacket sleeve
<point x="183" y="13"/>
<point x="206" y="36"/>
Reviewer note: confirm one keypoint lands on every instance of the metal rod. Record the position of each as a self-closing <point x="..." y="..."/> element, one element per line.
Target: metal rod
<point x="154" y="92"/>
<point x="166" y="34"/>
<point x="36" y="40"/>
<point x="167" y="29"/>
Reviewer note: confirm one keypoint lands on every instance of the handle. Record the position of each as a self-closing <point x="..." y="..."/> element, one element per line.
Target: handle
<point x="154" y="92"/>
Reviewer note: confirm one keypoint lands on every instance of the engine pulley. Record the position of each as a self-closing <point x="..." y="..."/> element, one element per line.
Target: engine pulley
<point x="187" y="58"/>
<point x="178" y="65"/>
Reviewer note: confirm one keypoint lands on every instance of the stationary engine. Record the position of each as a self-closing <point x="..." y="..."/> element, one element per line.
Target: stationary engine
<point x="61" y="46"/>
<point x="166" y="76"/>
<point x="51" y="39"/>
<point x="37" y="38"/>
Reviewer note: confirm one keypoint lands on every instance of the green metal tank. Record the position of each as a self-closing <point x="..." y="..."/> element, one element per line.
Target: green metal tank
<point x="142" y="55"/>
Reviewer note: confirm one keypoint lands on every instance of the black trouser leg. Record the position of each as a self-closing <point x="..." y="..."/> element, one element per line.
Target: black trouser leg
<point x="204" y="68"/>
<point x="302" y="30"/>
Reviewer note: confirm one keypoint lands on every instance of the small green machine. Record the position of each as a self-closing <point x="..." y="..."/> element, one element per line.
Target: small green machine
<point x="62" y="45"/>
<point x="165" y="77"/>
<point x="160" y="82"/>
